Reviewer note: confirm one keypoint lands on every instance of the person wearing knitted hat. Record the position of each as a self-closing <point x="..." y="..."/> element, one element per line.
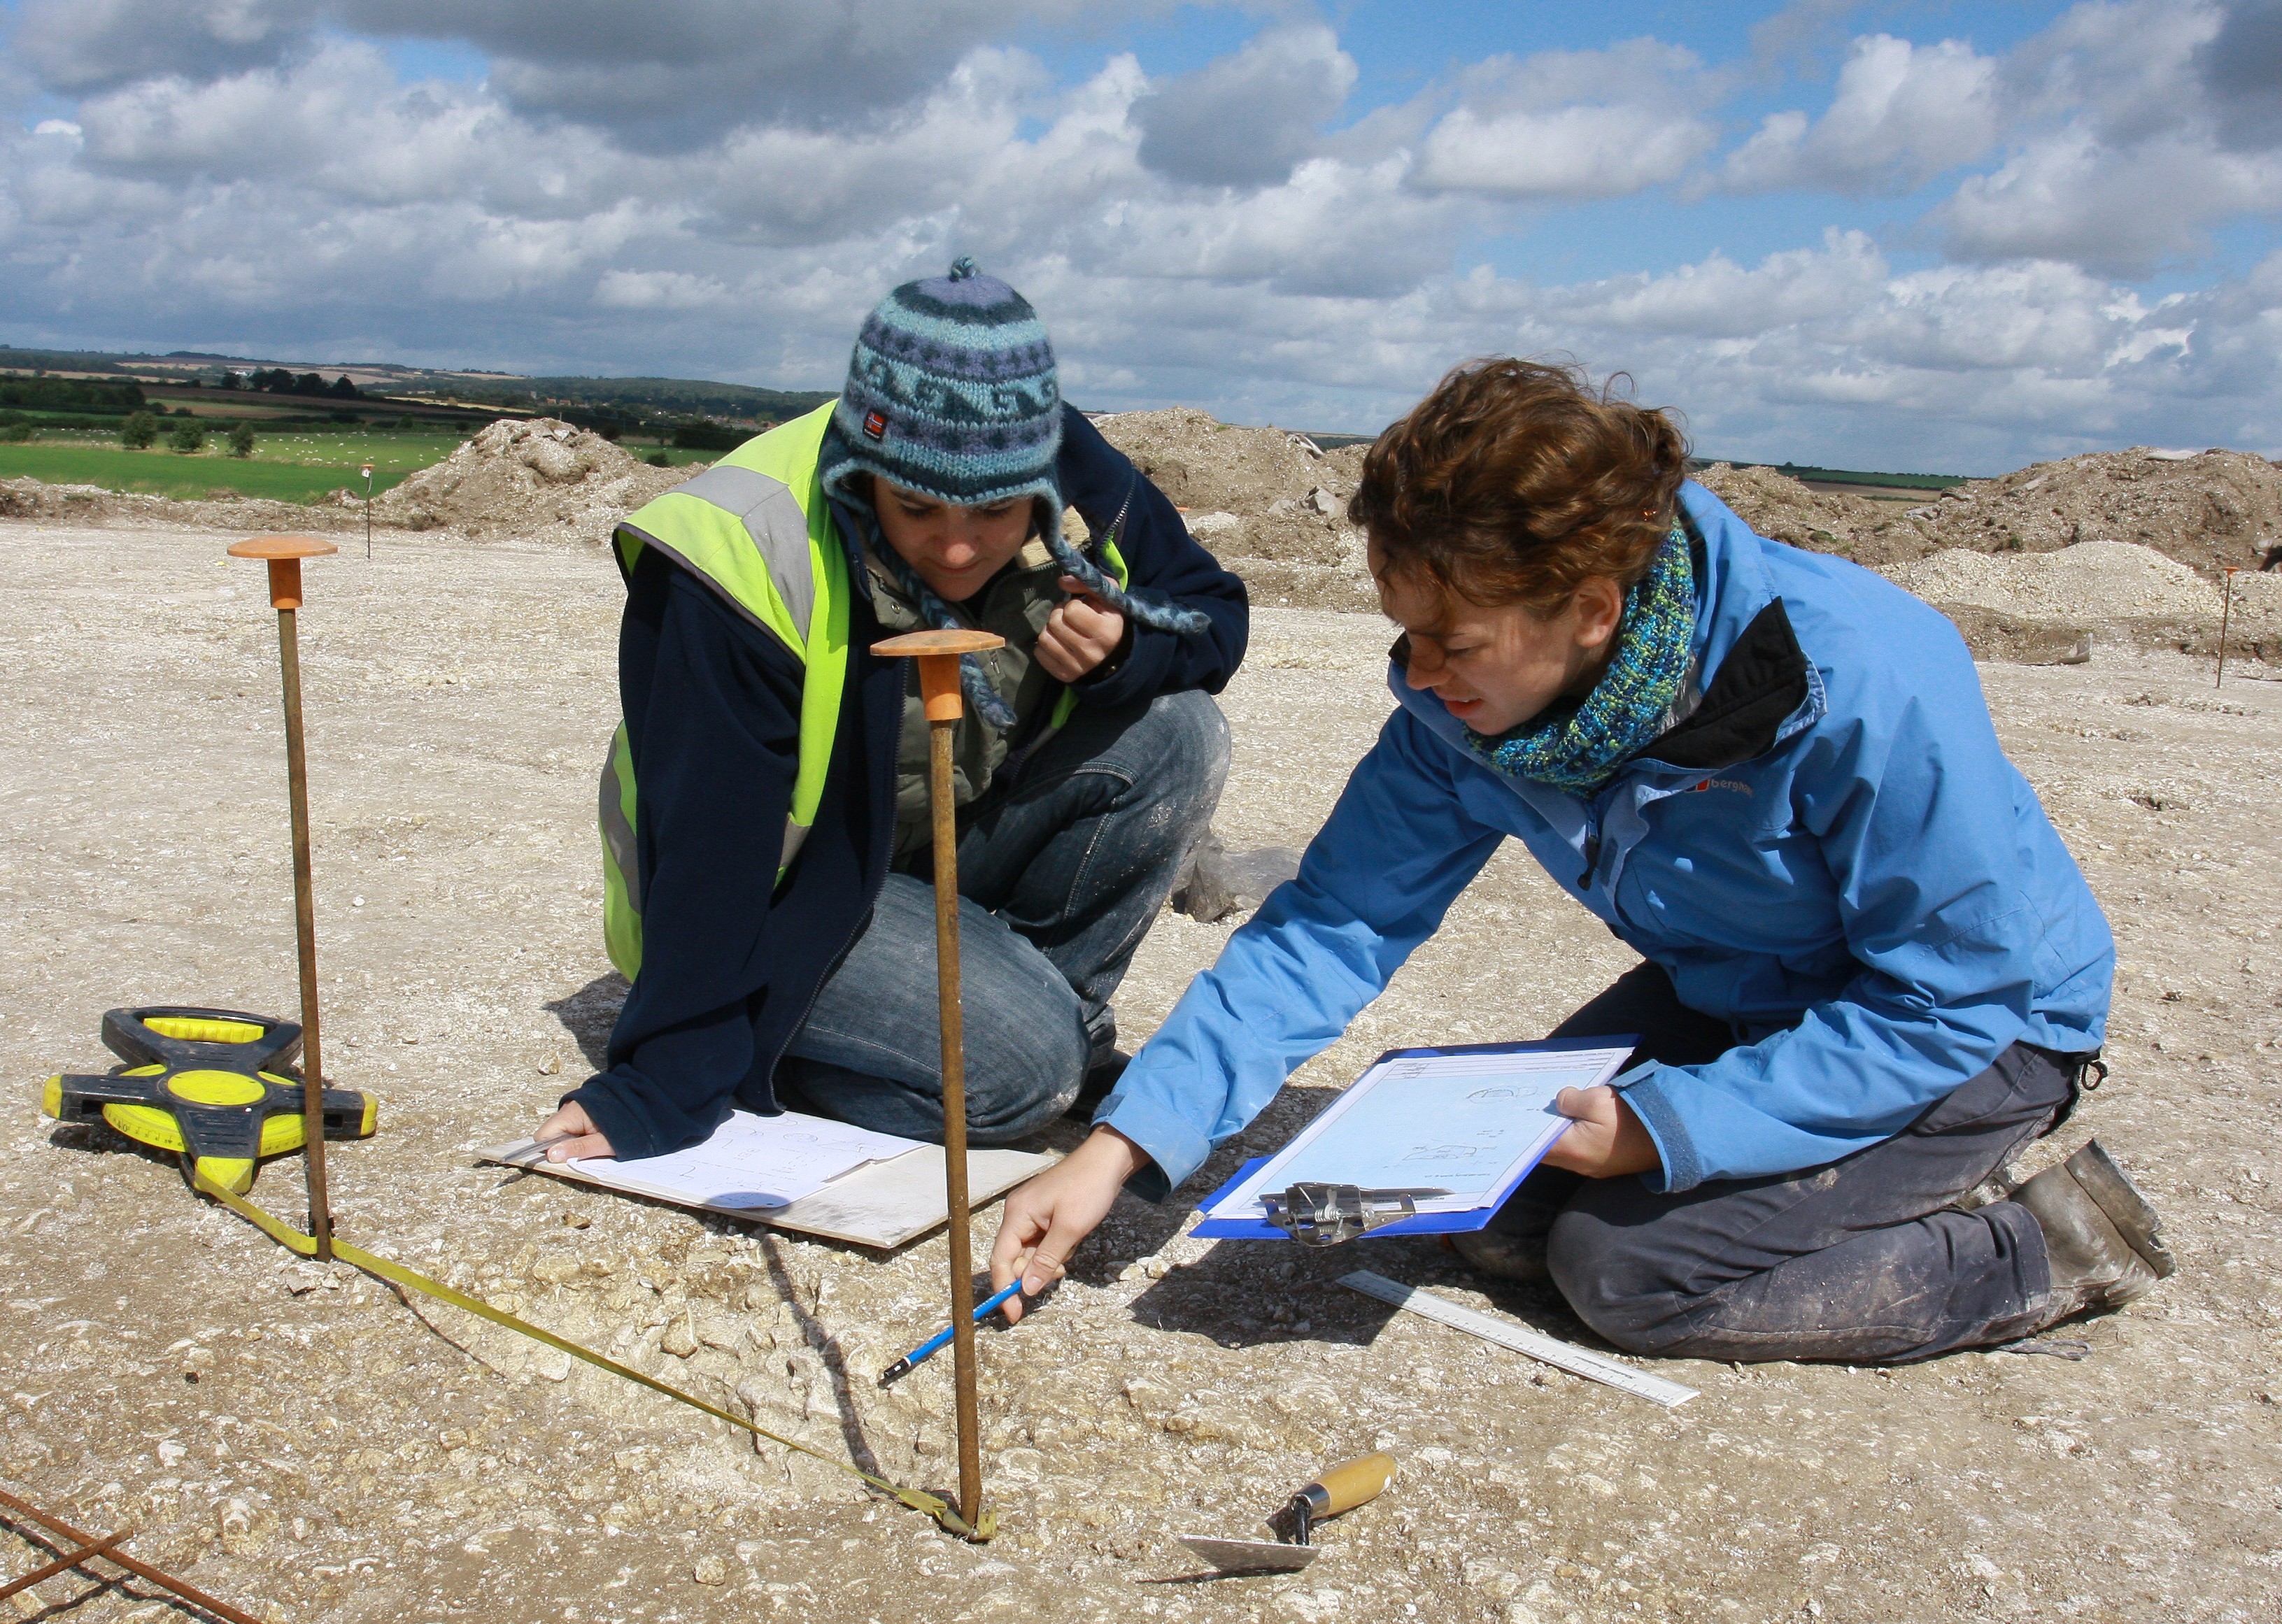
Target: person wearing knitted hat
<point x="1870" y="972"/>
<point x="796" y="970"/>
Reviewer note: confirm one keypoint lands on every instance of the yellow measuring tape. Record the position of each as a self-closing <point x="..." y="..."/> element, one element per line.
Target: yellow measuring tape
<point x="396" y="1274"/>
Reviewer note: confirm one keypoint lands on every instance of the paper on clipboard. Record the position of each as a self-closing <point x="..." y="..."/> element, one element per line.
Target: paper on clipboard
<point x="884" y="1203"/>
<point x="751" y="1161"/>
<point x="1472" y="1120"/>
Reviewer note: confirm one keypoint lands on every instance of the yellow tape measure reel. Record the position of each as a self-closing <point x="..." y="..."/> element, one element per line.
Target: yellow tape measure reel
<point x="198" y="1082"/>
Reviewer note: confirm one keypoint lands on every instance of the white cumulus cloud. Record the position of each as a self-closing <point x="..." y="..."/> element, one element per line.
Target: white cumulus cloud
<point x="1569" y="124"/>
<point x="1902" y="115"/>
<point x="1246" y="119"/>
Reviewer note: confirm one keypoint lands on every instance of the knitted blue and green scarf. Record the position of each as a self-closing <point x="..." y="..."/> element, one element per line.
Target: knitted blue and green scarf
<point x="1577" y="746"/>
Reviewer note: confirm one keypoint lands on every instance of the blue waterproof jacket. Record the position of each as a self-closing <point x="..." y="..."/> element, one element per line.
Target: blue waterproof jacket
<point x="1830" y="852"/>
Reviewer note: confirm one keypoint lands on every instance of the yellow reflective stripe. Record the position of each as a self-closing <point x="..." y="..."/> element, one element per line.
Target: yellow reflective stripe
<point x="826" y="678"/>
<point x="714" y="545"/>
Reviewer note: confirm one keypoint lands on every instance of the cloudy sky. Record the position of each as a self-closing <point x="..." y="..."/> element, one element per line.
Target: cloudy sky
<point x="1930" y="236"/>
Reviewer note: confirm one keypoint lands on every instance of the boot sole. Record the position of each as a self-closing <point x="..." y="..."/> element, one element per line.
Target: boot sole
<point x="2134" y="1218"/>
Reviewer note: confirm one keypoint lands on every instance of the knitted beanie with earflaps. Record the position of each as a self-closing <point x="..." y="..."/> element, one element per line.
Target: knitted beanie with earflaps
<point x="952" y="393"/>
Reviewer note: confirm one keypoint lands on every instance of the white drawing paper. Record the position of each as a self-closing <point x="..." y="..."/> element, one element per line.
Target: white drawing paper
<point x="751" y="1161"/>
<point x="1469" y="1123"/>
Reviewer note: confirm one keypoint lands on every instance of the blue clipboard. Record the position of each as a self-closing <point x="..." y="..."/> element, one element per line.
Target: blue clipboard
<point x="1424" y="1223"/>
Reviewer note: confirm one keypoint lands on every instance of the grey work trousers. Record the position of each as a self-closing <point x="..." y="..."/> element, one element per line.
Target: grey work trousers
<point x="1864" y="1260"/>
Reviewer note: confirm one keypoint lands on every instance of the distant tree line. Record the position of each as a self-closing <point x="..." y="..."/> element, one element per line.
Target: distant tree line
<point x="279" y="380"/>
<point x="187" y="436"/>
<point x="709" y="437"/>
<point x="70" y="395"/>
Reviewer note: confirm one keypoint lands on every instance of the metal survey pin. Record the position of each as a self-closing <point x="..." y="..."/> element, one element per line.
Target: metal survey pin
<point x="938" y="655"/>
<point x="283" y="555"/>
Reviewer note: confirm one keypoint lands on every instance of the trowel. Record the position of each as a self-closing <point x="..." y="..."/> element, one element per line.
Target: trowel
<point x="1342" y="1489"/>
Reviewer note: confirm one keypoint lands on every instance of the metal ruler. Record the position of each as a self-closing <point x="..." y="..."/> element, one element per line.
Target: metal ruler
<point x="1566" y="1355"/>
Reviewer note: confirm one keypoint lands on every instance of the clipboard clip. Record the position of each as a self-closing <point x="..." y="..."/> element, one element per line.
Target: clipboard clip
<point x="1326" y="1214"/>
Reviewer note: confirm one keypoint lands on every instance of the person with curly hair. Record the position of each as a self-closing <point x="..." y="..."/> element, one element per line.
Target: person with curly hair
<point x="1871" y="973"/>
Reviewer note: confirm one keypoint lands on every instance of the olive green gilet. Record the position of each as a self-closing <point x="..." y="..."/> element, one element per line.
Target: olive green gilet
<point x="756" y="528"/>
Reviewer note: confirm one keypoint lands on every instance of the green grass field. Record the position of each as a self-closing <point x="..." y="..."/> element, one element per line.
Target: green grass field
<point x="304" y="467"/>
<point x="292" y="467"/>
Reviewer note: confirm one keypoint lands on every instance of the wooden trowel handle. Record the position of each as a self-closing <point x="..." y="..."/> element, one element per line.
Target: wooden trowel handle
<point x="1348" y="1484"/>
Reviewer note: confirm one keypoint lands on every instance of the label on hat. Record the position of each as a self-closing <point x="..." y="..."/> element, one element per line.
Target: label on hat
<point x="875" y="425"/>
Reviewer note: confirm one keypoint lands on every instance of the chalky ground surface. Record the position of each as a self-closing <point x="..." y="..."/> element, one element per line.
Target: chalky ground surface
<point x="302" y="1442"/>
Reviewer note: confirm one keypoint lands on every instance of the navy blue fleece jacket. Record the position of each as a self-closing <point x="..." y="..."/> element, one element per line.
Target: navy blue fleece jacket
<point x="731" y="963"/>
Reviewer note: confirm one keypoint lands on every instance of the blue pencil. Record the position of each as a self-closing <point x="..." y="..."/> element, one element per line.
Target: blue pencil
<point x="935" y="1342"/>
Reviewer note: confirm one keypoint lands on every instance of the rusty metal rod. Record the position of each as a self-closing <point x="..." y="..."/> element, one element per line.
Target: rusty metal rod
<point x="2225" y="606"/>
<point x="954" y="1113"/>
<point x="305" y="933"/>
<point x="937" y="655"/>
<point x="65" y="1564"/>
<point x="141" y="1570"/>
<point x="283" y="555"/>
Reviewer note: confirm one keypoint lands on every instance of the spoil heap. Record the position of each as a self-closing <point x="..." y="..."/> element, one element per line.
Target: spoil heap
<point x="2207" y="509"/>
<point x="1777" y="506"/>
<point x="225" y="510"/>
<point x="1271" y="505"/>
<point x="535" y="478"/>
<point x="2043" y="607"/>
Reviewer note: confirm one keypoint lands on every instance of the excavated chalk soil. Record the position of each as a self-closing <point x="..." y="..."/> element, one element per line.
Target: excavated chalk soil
<point x="298" y="1440"/>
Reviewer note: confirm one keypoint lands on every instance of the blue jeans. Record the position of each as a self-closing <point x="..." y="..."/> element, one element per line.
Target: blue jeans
<point x="1864" y="1260"/>
<point x="1061" y="871"/>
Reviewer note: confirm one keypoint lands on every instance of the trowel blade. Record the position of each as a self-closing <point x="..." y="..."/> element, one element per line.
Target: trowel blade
<point x="1250" y="1555"/>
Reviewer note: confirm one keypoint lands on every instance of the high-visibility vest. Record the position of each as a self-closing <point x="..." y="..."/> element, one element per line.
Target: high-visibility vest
<point x="758" y="528"/>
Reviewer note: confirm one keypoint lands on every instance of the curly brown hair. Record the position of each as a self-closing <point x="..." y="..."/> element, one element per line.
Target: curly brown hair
<point x="1516" y="482"/>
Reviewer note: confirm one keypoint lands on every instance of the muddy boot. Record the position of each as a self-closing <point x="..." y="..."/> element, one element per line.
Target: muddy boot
<point x="2101" y="1234"/>
<point x="1512" y="1247"/>
<point x="1504" y="1256"/>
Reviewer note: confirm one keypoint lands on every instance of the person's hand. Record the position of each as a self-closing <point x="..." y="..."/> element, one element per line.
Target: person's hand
<point x="1080" y="633"/>
<point x="1046" y="1218"/>
<point x="1605" y="1137"/>
<point x="573" y="1119"/>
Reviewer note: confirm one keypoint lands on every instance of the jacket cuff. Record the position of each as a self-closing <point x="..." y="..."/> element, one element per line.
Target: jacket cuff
<point x="1146" y="662"/>
<point x="631" y="1131"/>
<point x="1175" y="1149"/>
<point x="1682" y="1169"/>
<point x="1108" y="670"/>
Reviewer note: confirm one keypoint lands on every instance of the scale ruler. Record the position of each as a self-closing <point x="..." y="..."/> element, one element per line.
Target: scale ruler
<point x="1566" y="1355"/>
